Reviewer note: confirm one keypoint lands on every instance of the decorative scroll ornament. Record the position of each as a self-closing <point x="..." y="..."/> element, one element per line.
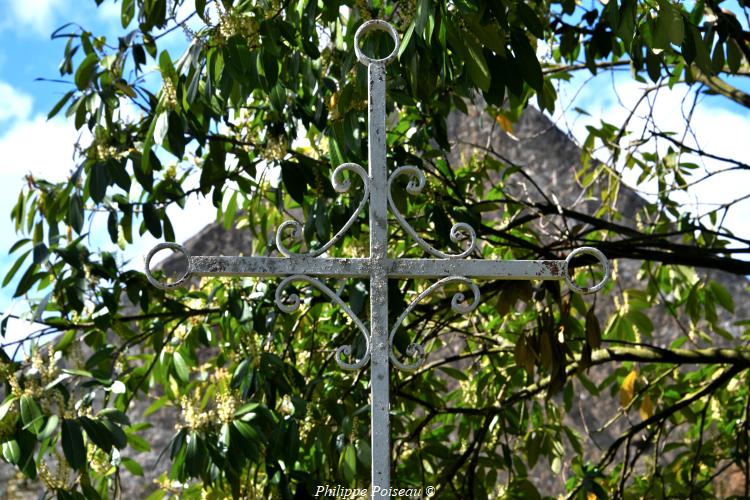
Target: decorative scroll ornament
<point x="341" y="185"/>
<point x="459" y="231"/>
<point x="458" y="304"/>
<point x="292" y="304"/>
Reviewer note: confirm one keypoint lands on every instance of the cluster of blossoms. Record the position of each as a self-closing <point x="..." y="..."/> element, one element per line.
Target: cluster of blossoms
<point x="407" y="10"/>
<point x="98" y="460"/>
<point x="233" y="23"/>
<point x="60" y="480"/>
<point x="106" y="152"/>
<point x="227" y="400"/>
<point x="275" y="148"/>
<point x="193" y="416"/>
<point x="168" y="93"/>
<point x="364" y="9"/>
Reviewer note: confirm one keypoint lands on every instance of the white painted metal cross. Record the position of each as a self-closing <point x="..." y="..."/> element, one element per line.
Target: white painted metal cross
<point x="378" y="267"/>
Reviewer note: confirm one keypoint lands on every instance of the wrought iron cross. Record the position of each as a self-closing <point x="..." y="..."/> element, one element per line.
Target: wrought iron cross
<point x="378" y="267"/>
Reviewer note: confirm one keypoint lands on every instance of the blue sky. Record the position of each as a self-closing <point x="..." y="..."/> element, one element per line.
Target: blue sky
<point x="30" y="143"/>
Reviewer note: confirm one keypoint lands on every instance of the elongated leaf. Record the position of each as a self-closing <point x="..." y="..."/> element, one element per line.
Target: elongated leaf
<point x="230" y="211"/>
<point x="56" y="109"/>
<point x="530" y="19"/>
<point x="14" y="269"/>
<point x="99" y="179"/>
<point x="348" y="462"/>
<point x="132" y="466"/>
<point x="525" y="57"/>
<point x="28" y="279"/>
<point x="11" y="451"/>
<point x="97" y="433"/>
<point x="151" y="217"/>
<point x="72" y="444"/>
<point x="49" y="428"/>
<point x="477" y="64"/>
<point x="75" y="213"/>
<point x="85" y="71"/>
<point x="127" y="11"/>
<point x="180" y="367"/>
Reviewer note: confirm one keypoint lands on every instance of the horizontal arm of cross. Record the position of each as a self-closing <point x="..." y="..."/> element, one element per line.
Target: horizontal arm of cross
<point x="202" y="265"/>
<point x="361" y="268"/>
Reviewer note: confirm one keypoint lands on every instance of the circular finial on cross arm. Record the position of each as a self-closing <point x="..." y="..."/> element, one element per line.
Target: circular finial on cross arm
<point x="596" y="253"/>
<point x="376" y="25"/>
<point x="163" y="284"/>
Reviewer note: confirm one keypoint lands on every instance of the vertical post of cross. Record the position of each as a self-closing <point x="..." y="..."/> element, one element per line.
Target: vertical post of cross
<point x="378" y="176"/>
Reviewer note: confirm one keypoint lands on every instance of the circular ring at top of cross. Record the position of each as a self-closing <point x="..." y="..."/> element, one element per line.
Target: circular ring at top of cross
<point x="163" y="284"/>
<point x="376" y="25"/>
<point x="599" y="256"/>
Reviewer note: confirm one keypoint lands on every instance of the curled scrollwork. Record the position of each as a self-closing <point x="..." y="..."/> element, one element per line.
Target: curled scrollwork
<point x="458" y="304"/>
<point x="460" y="231"/>
<point x="341" y="185"/>
<point x="292" y="304"/>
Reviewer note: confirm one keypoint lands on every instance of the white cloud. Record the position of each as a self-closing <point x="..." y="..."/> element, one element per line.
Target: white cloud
<point x="14" y="104"/>
<point x="37" y="15"/>
<point x="35" y="145"/>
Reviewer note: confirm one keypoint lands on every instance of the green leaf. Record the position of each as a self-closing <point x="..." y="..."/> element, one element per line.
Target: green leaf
<point x="717" y="58"/>
<point x="151" y="218"/>
<point x="72" y="444"/>
<point x="132" y="466"/>
<point x="230" y="212"/>
<point x="525" y="57"/>
<point x="28" y="279"/>
<point x="530" y="19"/>
<point x="85" y="71"/>
<point x="457" y="374"/>
<point x="181" y="368"/>
<point x="11" y="451"/>
<point x="477" y="64"/>
<point x="14" y="269"/>
<point x="348" y="463"/>
<point x="406" y="39"/>
<point x="200" y="8"/>
<point x="127" y="11"/>
<point x="734" y="55"/>
<point x="723" y="297"/>
<point x="75" y="213"/>
<point x="670" y="20"/>
<point x="57" y="107"/>
<point x="247" y="431"/>
<point x="50" y="427"/>
<point x="293" y="181"/>
<point x="641" y="321"/>
<point x="116" y="434"/>
<point x="97" y="433"/>
<point x="166" y="66"/>
<point x="99" y="180"/>
<point x="168" y="229"/>
<point x="112" y="226"/>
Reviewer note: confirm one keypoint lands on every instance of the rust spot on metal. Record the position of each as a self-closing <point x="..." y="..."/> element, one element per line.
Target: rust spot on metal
<point x="553" y="267"/>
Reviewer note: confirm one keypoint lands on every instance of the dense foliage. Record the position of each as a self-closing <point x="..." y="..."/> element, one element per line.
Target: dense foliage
<point x="263" y="409"/>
